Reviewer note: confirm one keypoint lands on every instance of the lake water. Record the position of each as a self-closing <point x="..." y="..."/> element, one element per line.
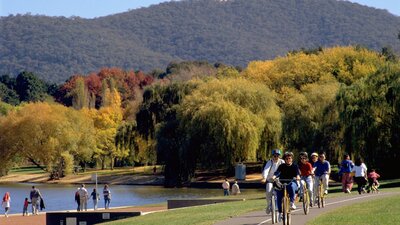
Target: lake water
<point x="61" y="196"/>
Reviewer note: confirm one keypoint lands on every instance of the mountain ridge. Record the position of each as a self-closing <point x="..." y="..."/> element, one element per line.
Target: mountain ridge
<point x="232" y="32"/>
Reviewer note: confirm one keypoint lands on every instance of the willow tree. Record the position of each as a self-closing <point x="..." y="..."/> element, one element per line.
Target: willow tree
<point x="226" y="121"/>
<point x="306" y="85"/>
<point x="369" y="112"/>
<point x="47" y="135"/>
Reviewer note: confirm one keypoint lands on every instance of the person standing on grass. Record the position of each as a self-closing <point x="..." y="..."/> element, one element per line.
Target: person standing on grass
<point x="360" y="176"/>
<point x="268" y="172"/>
<point x="346" y="166"/>
<point x="35" y="200"/>
<point x="6" y="203"/>
<point x="235" y="188"/>
<point x="95" y="197"/>
<point x="225" y="186"/>
<point x="107" y="196"/>
<point x="83" y="196"/>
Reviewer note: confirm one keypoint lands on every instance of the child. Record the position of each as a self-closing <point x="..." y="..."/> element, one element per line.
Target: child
<point x="6" y="203"/>
<point x="25" y="210"/>
<point x="373" y="180"/>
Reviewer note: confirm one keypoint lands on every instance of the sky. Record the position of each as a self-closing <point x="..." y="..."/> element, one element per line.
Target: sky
<point x="98" y="8"/>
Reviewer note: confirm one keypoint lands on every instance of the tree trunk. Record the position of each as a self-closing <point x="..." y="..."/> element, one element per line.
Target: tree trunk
<point x="37" y="164"/>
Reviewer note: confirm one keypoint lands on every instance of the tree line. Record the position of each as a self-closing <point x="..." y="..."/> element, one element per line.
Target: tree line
<point x="203" y="116"/>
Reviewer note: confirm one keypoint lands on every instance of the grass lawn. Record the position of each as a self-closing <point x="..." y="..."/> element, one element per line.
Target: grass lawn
<point x="381" y="211"/>
<point x="27" y="170"/>
<point x="203" y="215"/>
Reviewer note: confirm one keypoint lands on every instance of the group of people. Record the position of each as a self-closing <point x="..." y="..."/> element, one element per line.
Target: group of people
<point x="311" y="172"/>
<point x="82" y="197"/>
<point x="357" y="172"/>
<point x="36" y="200"/>
<point x="226" y="186"/>
<point x="306" y="172"/>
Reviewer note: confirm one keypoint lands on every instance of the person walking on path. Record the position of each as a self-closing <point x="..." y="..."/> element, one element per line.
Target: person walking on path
<point x="77" y="200"/>
<point x="83" y="197"/>
<point x="25" y="209"/>
<point x="268" y="172"/>
<point x="235" y="188"/>
<point x="346" y="166"/>
<point x="373" y="180"/>
<point x="95" y="198"/>
<point x="35" y="200"/>
<point x="225" y="186"/>
<point x="6" y="203"/>
<point x="107" y="196"/>
<point x="360" y="175"/>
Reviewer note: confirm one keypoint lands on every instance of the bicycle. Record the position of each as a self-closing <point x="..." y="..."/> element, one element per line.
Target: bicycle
<point x="321" y="195"/>
<point x="306" y="198"/>
<point x="286" y="211"/>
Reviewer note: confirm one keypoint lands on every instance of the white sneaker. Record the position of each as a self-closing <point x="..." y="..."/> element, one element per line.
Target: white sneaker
<point x="326" y="192"/>
<point x="348" y="191"/>
<point x="292" y="206"/>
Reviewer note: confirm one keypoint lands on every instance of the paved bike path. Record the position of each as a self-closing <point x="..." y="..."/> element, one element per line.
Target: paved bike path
<point x="298" y="217"/>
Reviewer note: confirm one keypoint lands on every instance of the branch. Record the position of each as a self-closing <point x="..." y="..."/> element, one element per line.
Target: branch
<point x="37" y="164"/>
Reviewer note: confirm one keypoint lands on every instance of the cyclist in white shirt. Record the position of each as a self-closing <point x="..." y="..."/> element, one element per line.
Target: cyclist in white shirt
<point x="268" y="171"/>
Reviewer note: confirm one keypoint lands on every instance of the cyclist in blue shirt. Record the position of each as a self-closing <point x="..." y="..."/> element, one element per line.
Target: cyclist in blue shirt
<point x="322" y="172"/>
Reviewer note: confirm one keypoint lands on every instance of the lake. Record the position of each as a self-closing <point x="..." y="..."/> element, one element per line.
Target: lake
<point x="61" y="196"/>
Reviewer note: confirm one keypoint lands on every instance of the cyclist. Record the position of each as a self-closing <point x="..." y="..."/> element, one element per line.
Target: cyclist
<point x="322" y="171"/>
<point x="306" y="172"/>
<point x="268" y="172"/>
<point x="287" y="170"/>
<point x="314" y="159"/>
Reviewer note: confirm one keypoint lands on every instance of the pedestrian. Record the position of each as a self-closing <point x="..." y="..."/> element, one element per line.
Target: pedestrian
<point x="6" y="203"/>
<point x="268" y="172"/>
<point x="373" y="183"/>
<point x="360" y="175"/>
<point x="225" y="186"/>
<point x="235" y="188"/>
<point x="346" y="166"/>
<point x="35" y="196"/>
<point x="25" y="209"/>
<point x="77" y="200"/>
<point x="107" y="196"/>
<point x="83" y="196"/>
<point x="95" y="198"/>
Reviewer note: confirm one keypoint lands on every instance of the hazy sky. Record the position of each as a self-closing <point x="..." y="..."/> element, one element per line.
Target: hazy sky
<point x="97" y="8"/>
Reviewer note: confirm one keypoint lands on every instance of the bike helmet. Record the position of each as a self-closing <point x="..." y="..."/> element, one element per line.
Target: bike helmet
<point x="276" y="151"/>
<point x="314" y="154"/>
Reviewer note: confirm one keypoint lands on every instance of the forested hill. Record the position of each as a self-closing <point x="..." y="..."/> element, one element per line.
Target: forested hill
<point x="233" y="32"/>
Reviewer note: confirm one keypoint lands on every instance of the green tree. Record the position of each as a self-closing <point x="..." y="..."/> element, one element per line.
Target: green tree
<point x="30" y="88"/>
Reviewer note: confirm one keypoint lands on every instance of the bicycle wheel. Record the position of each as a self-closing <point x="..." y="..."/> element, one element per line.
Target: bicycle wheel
<point x="306" y="201"/>
<point x="274" y="216"/>
<point x="319" y="195"/>
<point x="286" y="210"/>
